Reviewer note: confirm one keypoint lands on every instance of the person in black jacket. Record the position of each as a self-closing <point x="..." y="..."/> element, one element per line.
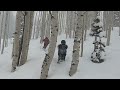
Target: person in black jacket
<point x="62" y="50"/>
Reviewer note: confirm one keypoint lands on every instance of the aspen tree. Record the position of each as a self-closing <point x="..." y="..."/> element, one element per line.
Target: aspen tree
<point x="16" y="41"/>
<point x="77" y="40"/>
<point x="43" y="27"/>
<point x="26" y="36"/>
<point x="109" y="27"/>
<point x="49" y="56"/>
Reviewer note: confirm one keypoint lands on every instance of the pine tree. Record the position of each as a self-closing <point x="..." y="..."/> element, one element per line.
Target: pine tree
<point x="97" y="55"/>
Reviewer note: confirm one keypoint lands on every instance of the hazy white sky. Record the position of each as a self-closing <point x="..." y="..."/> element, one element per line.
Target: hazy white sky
<point x="14" y="13"/>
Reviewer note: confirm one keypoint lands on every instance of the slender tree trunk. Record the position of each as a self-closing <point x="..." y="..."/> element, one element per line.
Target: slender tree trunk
<point x="48" y="58"/>
<point x="5" y="30"/>
<point x="119" y="30"/>
<point x="35" y="18"/>
<point x="26" y="36"/>
<point x="16" y="41"/>
<point x="1" y="29"/>
<point x="48" y="26"/>
<point x="43" y="27"/>
<point x="109" y="27"/>
<point x="77" y="40"/>
<point x="119" y="23"/>
<point x="107" y="22"/>
<point x="82" y="32"/>
<point x="85" y="25"/>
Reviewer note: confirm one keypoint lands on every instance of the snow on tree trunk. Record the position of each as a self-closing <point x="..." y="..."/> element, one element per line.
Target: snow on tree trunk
<point x="16" y="41"/>
<point x="96" y="56"/>
<point x="26" y="36"/>
<point x="77" y="40"/>
<point x="48" y="58"/>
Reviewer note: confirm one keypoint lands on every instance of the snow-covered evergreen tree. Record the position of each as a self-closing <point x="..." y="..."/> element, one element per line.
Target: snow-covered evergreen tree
<point x="98" y="53"/>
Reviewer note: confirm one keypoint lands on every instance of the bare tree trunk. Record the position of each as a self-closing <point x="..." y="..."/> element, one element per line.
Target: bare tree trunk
<point x="43" y="27"/>
<point x="104" y="22"/>
<point x="82" y="33"/>
<point x="1" y="29"/>
<point x="48" y="26"/>
<point x="35" y="22"/>
<point x="119" y="30"/>
<point x="109" y="27"/>
<point x="68" y="24"/>
<point x="75" y="21"/>
<point x="112" y="20"/>
<point x="38" y="27"/>
<point x="5" y="30"/>
<point x="26" y="36"/>
<point x="85" y="25"/>
<point x="16" y="41"/>
<point x="54" y="33"/>
<point x="119" y="23"/>
<point x="108" y="37"/>
<point x="77" y="40"/>
<point x="107" y="22"/>
<point x="88" y="21"/>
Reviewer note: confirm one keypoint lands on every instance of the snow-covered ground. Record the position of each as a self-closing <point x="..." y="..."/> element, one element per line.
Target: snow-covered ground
<point x="86" y="69"/>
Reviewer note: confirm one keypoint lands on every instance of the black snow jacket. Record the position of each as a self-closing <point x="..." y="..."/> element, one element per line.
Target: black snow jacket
<point x="62" y="48"/>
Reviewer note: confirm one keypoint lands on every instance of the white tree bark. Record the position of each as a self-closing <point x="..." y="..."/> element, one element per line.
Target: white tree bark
<point x="109" y="27"/>
<point x="43" y="27"/>
<point x="54" y="33"/>
<point x="75" y="23"/>
<point x="104" y="21"/>
<point x="26" y="36"/>
<point x="1" y="28"/>
<point x="38" y="26"/>
<point x="5" y="30"/>
<point x="77" y="40"/>
<point x="82" y="32"/>
<point x="85" y="24"/>
<point x="48" y="26"/>
<point x="119" y="23"/>
<point x="35" y="22"/>
<point x="68" y="24"/>
<point x="16" y="41"/>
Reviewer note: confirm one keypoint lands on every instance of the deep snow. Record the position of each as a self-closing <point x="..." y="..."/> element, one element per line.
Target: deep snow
<point x="86" y="69"/>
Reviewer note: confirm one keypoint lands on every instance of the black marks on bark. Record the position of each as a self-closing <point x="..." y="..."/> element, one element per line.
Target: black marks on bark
<point x="73" y="63"/>
<point x="74" y="51"/>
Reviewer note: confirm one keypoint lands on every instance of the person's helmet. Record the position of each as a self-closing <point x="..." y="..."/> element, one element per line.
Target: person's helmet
<point x="63" y="42"/>
<point x="97" y="19"/>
